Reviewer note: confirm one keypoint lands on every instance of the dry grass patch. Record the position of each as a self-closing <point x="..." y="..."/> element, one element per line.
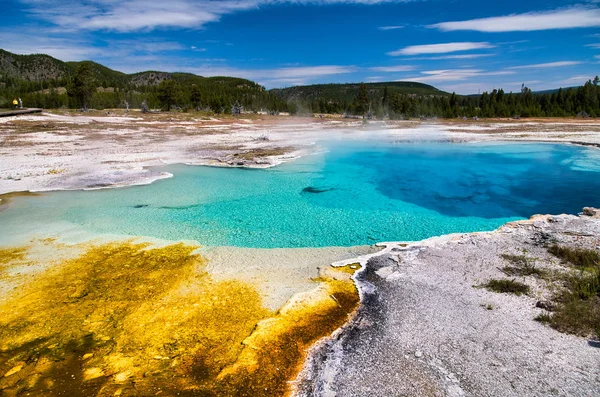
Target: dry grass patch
<point x="262" y="152"/>
<point x="522" y="266"/>
<point x="507" y="287"/>
<point x="577" y="303"/>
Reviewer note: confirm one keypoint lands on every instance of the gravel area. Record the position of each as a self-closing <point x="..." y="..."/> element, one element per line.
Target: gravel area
<point x="425" y="328"/>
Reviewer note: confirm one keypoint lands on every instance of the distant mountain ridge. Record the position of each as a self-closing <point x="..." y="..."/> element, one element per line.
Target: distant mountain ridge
<point x="44" y="68"/>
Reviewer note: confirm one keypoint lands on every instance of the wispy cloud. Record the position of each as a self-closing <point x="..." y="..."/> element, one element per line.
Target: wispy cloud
<point x="575" y="17"/>
<point x="279" y="74"/>
<point x="391" y="69"/>
<point x="390" y="27"/>
<point x="271" y="77"/>
<point x="135" y="15"/>
<point x="436" y="76"/>
<point x="595" y="45"/>
<point x="309" y="71"/>
<point x="440" y="48"/>
<point x="580" y="79"/>
<point x="61" y="48"/>
<point x="77" y="48"/>
<point x="446" y="57"/>
<point x="547" y="65"/>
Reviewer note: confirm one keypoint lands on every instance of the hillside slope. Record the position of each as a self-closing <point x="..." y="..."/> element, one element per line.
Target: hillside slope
<point x="347" y="92"/>
<point x="41" y="68"/>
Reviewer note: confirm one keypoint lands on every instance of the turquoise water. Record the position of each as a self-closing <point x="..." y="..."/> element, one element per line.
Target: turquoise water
<point x="351" y="195"/>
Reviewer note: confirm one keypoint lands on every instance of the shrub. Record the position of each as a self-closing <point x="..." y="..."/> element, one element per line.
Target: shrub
<point x="543" y="318"/>
<point x="578" y="309"/>
<point x="578" y="257"/>
<point x="507" y="287"/>
<point x="522" y="266"/>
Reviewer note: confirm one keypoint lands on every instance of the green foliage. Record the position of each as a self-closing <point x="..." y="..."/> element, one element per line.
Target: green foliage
<point x="581" y="258"/>
<point x="543" y="318"/>
<point x="167" y="93"/>
<point x="576" y="316"/>
<point x="40" y="81"/>
<point x="578" y="302"/>
<point x="362" y="100"/>
<point x="32" y="77"/>
<point x="400" y="100"/>
<point x="507" y="287"/>
<point x="83" y="85"/>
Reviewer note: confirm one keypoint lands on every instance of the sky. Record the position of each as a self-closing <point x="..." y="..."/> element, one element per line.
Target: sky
<point x="461" y="46"/>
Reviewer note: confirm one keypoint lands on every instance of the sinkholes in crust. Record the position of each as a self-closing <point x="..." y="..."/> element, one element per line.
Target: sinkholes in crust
<point x="128" y="318"/>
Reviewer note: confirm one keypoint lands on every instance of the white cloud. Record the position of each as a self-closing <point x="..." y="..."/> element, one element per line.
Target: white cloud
<point x="63" y="49"/>
<point x="390" y="27"/>
<point x="547" y="65"/>
<point x="446" y="57"/>
<point x="440" y="48"/>
<point x="391" y="69"/>
<point x="435" y="76"/>
<point x="276" y="74"/>
<point x="580" y="79"/>
<point x="309" y="71"/>
<point x="135" y="15"/>
<point x="575" y="17"/>
<point x="595" y="45"/>
<point x="275" y="77"/>
<point x="68" y="48"/>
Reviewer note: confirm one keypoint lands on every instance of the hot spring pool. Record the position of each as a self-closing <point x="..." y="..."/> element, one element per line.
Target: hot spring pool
<point x="352" y="194"/>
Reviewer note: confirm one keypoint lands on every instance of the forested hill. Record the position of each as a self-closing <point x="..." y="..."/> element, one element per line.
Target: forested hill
<point x="42" y="81"/>
<point x="348" y="92"/>
<point x="44" y="70"/>
<point x="400" y="100"/>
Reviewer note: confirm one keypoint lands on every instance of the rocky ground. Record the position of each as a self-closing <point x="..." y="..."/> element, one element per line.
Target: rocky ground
<point x="427" y="328"/>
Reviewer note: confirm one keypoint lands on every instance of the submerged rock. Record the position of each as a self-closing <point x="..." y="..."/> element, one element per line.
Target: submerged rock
<point x="311" y="189"/>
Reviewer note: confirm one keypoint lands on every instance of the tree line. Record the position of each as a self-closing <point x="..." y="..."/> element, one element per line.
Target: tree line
<point x="224" y="94"/>
<point x="580" y="101"/>
<point x="84" y="90"/>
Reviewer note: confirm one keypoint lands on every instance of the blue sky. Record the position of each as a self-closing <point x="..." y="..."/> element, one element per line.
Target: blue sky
<point x="460" y="45"/>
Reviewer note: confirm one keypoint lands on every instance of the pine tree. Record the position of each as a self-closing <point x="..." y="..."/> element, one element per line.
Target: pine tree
<point x="167" y="92"/>
<point x="83" y="85"/>
<point x="362" y="100"/>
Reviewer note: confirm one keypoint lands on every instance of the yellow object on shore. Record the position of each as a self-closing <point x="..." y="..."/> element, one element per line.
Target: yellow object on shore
<point x="15" y="102"/>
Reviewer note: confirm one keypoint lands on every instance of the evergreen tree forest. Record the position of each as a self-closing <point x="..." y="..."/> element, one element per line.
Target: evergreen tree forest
<point x="215" y="94"/>
<point x="45" y="82"/>
<point x="580" y="101"/>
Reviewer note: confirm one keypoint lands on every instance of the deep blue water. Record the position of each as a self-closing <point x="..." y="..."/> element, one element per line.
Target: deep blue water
<point x="352" y="195"/>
